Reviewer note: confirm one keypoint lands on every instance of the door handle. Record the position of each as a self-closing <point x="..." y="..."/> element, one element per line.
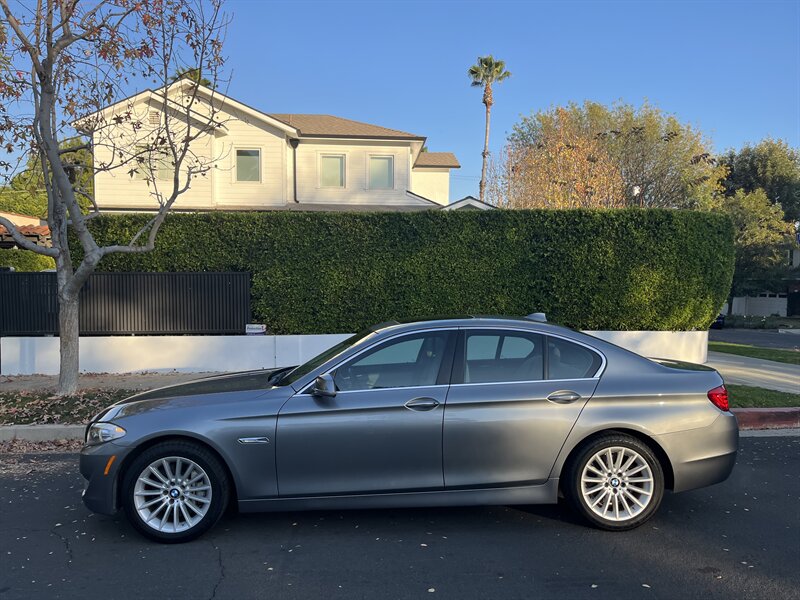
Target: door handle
<point x="564" y="397"/>
<point x="422" y="404"/>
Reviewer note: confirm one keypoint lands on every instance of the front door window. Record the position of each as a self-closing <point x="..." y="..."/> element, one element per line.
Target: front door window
<point x="410" y="361"/>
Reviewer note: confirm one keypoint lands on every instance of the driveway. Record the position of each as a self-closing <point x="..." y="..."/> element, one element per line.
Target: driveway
<point x="744" y="370"/>
<point x="764" y="338"/>
<point x="739" y="539"/>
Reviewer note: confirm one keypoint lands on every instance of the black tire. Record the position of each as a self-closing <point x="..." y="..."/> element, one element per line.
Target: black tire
<point x="201" y="456"/>
<point x="573" y="473"/>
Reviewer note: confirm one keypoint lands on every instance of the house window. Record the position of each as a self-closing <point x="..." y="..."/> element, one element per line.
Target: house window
<point x="331" y="170"/>
<point x="248" y="165"/>
<point x="165" y="168"/>
<point x="381" y="172"/>
<point x="153" y="164"/>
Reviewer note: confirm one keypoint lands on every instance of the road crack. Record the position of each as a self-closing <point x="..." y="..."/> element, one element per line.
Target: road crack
<point x="67" y="544"/>
<point x="221" y="566"/>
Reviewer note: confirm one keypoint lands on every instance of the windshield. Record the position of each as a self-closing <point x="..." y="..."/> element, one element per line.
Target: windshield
<point x="320" y="359"/>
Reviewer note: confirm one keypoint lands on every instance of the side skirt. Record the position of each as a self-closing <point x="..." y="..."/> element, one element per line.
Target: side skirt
<point x="545" y="493"/>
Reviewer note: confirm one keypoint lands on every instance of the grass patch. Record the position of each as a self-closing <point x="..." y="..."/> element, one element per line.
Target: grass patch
<point x="791" y="357"/>
<point x="745" y="396"/>
<point x="38" y="408"/>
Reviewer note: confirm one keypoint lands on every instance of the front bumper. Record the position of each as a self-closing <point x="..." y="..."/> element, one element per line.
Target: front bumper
<point x="101" y="472"/>
<point x="703" y="456"/>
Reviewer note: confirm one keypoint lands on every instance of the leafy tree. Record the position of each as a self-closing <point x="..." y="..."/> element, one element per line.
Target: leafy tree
<point x="663" y="162"/>
<point x="565" y="169"/>
<point x="485" y="73"/>
<point x="27" y="193"/>
<point x="68" y="60"/>
<point x="193" y="75"/>
<point x="761" y="239"/>
<point x="771" y="165"/>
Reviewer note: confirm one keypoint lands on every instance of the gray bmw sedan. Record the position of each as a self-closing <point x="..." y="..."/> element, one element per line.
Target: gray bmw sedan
<point x="447" y="412"/>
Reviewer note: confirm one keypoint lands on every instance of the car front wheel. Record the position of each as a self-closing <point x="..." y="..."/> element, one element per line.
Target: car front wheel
<point x="175" y="491"/>
<point x="615" y="482"/>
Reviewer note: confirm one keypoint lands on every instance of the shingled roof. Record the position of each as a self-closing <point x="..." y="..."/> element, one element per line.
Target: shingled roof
<point x="331" y="126"/>
<point x="437" y="159"/>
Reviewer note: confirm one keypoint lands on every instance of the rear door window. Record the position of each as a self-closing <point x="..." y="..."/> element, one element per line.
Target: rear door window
<point x="503" y="356"/>
<point x="566" y="360"/>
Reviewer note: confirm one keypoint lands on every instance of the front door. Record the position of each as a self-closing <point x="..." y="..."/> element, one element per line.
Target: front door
<point x="381" y="432"/>
<point x="515" y="397"/>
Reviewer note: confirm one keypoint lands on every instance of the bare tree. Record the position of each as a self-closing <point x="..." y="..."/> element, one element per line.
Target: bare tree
<point x="64" y="62"/>
<point x="564" y="169"/>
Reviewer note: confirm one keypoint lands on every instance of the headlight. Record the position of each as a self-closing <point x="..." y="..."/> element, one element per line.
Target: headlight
<point x="99" y="433"/>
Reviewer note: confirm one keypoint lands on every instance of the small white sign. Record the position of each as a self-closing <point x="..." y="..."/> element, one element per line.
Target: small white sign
<point x="255" y="329"/>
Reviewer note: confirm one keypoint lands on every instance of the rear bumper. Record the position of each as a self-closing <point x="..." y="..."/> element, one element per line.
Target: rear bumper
<point x="703" y="456"/>
<point x="100" y="472"/>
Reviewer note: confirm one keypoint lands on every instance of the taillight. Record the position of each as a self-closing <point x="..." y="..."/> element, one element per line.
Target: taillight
<point x="719" y="396"/>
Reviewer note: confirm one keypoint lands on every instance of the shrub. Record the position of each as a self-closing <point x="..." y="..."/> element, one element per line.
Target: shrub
<point x="25" y="260"/>
<point x="339" y="272"/>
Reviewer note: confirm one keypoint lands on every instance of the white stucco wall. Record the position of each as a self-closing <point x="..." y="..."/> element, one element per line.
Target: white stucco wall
<point x="195" y="354"/>
<point x="688" y="346"/>
<point x="431" y="183"/>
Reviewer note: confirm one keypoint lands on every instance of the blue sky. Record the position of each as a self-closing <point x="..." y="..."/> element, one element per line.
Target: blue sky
<point x="730" y="68"/>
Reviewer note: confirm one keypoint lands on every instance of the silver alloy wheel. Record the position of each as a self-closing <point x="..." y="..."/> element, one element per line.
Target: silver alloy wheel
<point x="172" y="494"/>
<point x="617" y="483"/>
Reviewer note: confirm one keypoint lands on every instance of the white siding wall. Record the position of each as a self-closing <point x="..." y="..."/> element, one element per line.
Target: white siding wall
<point x="249" y="134"/>
<point x="431" y="183"/>
<point x="218" y="188"/>
<point x="118" y="189"/>
<point x="356" y="181"/>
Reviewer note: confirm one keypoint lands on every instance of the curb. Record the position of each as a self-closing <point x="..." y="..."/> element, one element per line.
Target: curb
<point x="41" y="433"/>
<point x="767" y="418"/>
<point x="748" y="418"/>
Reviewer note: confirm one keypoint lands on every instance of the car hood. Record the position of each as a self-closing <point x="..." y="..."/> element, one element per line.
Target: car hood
<point x="204" y="391"/>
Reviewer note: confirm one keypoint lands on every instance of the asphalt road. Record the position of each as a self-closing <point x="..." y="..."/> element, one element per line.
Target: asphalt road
<point x="744" y="370"/>
<point x="740" y="539"/>
<point x="756" y="337"/>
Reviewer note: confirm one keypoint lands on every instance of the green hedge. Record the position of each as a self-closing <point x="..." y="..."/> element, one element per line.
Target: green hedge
<point x="338" y="272"/>
<point x="25" y="260"/>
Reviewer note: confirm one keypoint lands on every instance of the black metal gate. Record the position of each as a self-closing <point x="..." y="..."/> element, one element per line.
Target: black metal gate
<point x="130" y="303"/>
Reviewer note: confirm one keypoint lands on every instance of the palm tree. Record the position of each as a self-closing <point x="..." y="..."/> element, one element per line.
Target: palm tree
<point x="486" y="72"/>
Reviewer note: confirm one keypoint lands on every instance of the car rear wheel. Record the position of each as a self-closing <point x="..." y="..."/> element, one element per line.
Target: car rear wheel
<point x="175" y="491"/>
<point x="615" y="482"/>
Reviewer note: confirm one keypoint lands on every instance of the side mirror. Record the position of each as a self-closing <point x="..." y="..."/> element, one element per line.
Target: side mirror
<point x="324" y="386"/>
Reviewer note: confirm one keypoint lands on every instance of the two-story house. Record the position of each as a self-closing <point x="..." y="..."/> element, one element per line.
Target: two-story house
<point x="264" y="161"/>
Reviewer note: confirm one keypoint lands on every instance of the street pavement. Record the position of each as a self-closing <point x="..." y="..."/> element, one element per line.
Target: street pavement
<point x="744" y="370"/>
<point x="739" y="539"/>
<point x="765" y="338"/>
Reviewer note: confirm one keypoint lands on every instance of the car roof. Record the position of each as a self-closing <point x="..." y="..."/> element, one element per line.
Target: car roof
<point x="488" y="321"/>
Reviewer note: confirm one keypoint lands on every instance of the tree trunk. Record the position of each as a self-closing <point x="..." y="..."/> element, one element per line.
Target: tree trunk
<point x="68" y="336"/>
<point x="485" y="152"/>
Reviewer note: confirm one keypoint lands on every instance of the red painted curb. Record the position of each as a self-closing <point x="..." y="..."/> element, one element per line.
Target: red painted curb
<point x="767" y="418"/>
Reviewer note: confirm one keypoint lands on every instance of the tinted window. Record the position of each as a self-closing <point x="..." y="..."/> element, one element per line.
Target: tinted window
<point x="503" y="356"/>
<point x="405" y="362"/>
<point x="322" y="358"/>
<point x="566" y="360"/>
<point x="482" y="347"/>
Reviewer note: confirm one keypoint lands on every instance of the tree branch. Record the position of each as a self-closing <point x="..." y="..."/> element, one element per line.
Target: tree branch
<point x="23" y="242"/>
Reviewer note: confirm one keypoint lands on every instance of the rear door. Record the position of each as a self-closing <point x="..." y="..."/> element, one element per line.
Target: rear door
<point x="382" y="432"/>
<point x="514" y="398"/>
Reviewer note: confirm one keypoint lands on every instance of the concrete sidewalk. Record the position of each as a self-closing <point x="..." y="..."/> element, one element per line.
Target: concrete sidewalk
<point x="743" y="370"/>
